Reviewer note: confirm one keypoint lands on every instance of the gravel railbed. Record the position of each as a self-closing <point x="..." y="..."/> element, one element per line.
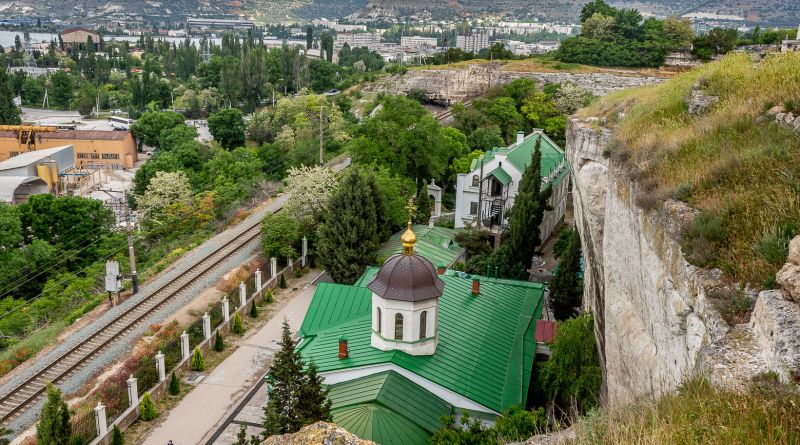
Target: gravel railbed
<point x="118" y="348"/>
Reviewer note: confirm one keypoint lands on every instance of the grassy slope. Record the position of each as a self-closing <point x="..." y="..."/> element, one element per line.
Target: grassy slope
<point x="700" y="413"/>
<point x="742" y="174"/>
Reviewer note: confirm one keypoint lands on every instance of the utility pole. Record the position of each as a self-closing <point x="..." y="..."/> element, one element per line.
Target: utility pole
<point x="131" y="253"/>
<point x="321" y="158"/>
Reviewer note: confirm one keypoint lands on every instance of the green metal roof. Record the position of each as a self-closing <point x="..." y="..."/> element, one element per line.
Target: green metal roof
<point x="486" y="343"/>
<point x="341" y="304"/>
<point x="501" y="175"/>
<point x="436" y="244"/>
<point x="520" y="156"/>
<point x="387" y="408"/>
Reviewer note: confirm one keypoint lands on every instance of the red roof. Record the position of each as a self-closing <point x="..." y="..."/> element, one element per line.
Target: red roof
<point x="545" y="331"/>
<point x="78" y="28"/>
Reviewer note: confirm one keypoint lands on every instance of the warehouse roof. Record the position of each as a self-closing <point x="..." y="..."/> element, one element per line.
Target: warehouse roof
<point x="10" y="184"/>
<point x="31" y="157"/>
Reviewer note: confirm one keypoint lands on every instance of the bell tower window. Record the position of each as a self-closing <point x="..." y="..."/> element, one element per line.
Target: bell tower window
<point x="423" y="325"/>
<point x="398" y="326"/>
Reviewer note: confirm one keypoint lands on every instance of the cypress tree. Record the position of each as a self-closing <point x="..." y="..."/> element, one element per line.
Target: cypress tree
<point x="237" y="327"/>
<point x="314" y="404"/>
<point x="348" y="239"/>
<point x="253" y="310"/>
<point x="282" y="283"/>
<point x="174" y="384"/>
<point x="147" y="409"/>
<point x="219" y="343"/>
<point x="285" y="382"/>
<point x="384" y="228"/>
<point x="198" y="363"/>
<point x="9" y="113"/>
<point x="54" y="427"/>
<point x="566" y="289"/>
<point x="116" y="436"/>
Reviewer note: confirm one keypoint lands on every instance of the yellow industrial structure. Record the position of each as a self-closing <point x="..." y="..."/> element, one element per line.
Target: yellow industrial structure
<point x="26" y="134"/>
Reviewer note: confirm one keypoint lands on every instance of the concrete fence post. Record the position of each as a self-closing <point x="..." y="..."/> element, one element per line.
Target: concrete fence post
<point x="258" y="280"/>
<point x="225" y="313"/>
<point x="206" y="326"/>
<point x="162" y="371"/>
<point x="100" y="418"/>
<point x="185" y="352"/>
<point x="242" y="294"/>
<point x="305" y="252"/>
<point x="133" y="391"/>
<point x="273" y="267"/>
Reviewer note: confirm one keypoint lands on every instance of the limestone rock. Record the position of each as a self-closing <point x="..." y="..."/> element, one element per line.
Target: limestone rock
<point x="776" y="327"/>
<point x="320" y="433"/>
<point x="700" y="102"/>
<point x="796" y="124"/>
<point x="789" y="276"/>
<point x="561" y="437"/>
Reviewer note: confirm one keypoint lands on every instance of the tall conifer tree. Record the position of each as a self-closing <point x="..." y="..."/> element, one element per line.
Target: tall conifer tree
<point x="314" y="404"/>
<point x="9" y="112"/>
<point x="54" y="427"/>
<point x="566" y="288"/>
<point x="285" y="382"/>
<point x="348" y="239"/>
<point x="528" y="212"/>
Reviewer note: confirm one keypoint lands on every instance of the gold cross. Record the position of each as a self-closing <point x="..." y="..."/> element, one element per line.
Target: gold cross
<point x="411" y="208"/>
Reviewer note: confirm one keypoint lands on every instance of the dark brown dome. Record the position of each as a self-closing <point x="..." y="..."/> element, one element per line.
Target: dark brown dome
<point x="407" y="278"/>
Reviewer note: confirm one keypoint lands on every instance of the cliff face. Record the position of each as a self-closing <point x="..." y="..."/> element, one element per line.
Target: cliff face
<point x="655" y="321"/>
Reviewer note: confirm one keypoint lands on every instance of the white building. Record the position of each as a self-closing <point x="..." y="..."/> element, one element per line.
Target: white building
<point x="791" y="45"/>
<point x="358" y="39"/>
<point x="417" y="42"/>
<point x="473" y="43"/>
<point x="486" y="194"/>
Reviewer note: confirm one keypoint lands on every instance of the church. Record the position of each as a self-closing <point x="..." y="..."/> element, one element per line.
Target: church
<point x="409" y="343"/>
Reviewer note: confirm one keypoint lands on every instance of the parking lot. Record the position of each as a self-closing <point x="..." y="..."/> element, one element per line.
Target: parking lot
<point x="61" y="117"/>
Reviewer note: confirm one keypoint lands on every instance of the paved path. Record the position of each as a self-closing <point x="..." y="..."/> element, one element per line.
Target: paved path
<point x="204" y="409"/>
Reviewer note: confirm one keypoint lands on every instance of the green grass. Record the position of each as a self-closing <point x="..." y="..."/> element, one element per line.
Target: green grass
<point x="768" y="412"/>
<point x="742" y="174"/>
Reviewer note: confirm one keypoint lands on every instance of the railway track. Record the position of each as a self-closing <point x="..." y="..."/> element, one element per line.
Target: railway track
<point x="16" y="401"/>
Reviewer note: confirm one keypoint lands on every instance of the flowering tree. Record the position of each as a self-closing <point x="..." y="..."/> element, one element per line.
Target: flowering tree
<point x="310" y="188"/>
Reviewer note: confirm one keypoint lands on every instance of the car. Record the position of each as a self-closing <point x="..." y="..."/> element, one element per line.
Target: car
<point x="332" y="92"/>
<point x="117" y="111"/>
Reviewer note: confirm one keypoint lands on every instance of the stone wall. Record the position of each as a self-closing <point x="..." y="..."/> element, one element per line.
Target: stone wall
<point x="458" y="85"/>
<point x="655" y="322"/>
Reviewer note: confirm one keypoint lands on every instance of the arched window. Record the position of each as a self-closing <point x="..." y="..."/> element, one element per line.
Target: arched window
<point x="379" y="329"/>
<point x="398" y="326"/>
<point x="475" y="180"/>
<point x="423" y="324"/>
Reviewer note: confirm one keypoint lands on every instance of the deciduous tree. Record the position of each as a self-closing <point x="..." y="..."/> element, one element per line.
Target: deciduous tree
<point x="227" y="127"/>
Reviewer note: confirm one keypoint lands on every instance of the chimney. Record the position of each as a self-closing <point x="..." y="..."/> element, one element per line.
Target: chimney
<point x="344" y="351"/>
<point x="476" y="286"/>
<point x="440" y="269"/>
<point x="520" y="137"/>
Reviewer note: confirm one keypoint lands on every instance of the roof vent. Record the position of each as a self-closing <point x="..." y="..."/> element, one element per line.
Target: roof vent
<point x="520" y="137"/>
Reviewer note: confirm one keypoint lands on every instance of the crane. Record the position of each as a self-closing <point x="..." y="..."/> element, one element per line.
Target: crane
<point x="26" y="134"/>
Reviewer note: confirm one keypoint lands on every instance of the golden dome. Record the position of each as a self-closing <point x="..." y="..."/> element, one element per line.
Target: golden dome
<point x="409" y="239"/>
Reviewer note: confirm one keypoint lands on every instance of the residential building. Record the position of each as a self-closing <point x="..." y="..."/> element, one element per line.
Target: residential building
<point x="409" y="343"/>
<point x="358" y="39"/>
<point x="209" y="23"/>
<point x="78" y="37"/>
<point x="486" y="194"/>
<point x="93" y="149"/>
<point x="417" y="42"/>
<point x="473" y="42"/>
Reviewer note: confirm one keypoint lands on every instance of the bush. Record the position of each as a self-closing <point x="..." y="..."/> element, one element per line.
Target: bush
<point x="237" y="327"/>
<point x="517" y="424"/>
<point x="116" y="436"/>
<point x="253" y="310"/>
<point x="147" y="409"/>
<point x="174" y="384"/>
<point x="282" y="284"/>
<point x="219" y="343"/>
<point x="268" y="298"/>
<point x="198" y="363"/>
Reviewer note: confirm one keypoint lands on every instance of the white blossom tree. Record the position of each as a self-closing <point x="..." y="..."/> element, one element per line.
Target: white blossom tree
<point x="165" y="191"/>
<point x="310" y="188"/>
<point x="571" y="97"/>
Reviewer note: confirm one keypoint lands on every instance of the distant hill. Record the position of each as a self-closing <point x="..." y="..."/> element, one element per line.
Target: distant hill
<point x="766" y="12"/>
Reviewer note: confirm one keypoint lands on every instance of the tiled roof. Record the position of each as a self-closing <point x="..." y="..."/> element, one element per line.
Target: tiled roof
<point x="437" y="244"/>
<point x="80" y="135"/>
<point x="387" y="408"/>
<point x="486" y="343"/>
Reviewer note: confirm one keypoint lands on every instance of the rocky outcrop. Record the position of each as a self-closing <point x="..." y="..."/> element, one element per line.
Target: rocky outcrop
<point x="655" y="322"/>
<point x="699" y="101"/>
<point x="458" y="85"/>
<point x="320" y="433"/>
<point x="789" y="276"/>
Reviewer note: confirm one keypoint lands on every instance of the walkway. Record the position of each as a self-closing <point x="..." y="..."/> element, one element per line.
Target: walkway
<point x="204" y="409"/>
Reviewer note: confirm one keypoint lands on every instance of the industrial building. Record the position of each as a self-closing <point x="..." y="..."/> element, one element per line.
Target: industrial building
<point x="77" y="37"/>
<point x="34" y="172"/>
<point x="93" y="149"/>
<point x="211" y="23"/>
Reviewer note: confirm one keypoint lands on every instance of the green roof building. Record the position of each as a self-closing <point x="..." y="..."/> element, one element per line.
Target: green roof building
<point x="405" y="346"/>
<point x="437" y="244"/>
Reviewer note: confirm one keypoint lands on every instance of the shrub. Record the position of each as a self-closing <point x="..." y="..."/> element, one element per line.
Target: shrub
<point x="174" y="384"/>
<point x="198" y="363"/>
<point x="518" y="424"/>
<point x="268" y="297"/>
<point x="237" y="327"/>
<point x="253" y="310"/>
<point x="219" y="343"/>
<point x="147" y="409"/>
<point x="116" y="436"/>
<point x="282" y="284"/>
